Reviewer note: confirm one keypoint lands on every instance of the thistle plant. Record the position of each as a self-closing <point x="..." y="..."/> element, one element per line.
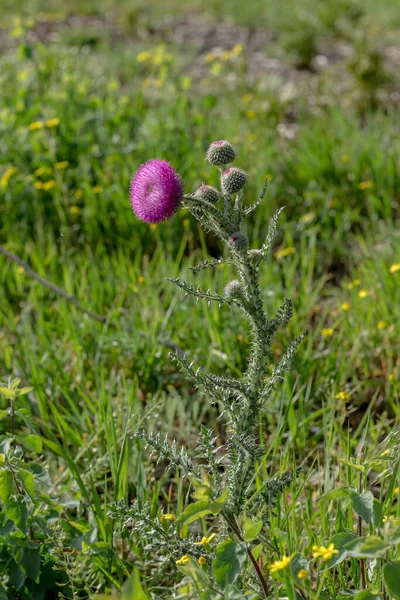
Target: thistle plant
<point x="224" y="478"/>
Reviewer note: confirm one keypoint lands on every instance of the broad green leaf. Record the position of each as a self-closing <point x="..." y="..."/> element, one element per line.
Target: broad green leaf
<point x="367" y="547"/>
<point x="338" y="493"/>
<point x="17" y="511"/>
<point x="377" y="511"/>
<point x="297" y="564"/>
<point x="31" y="562"/>
<point x="3" y="414"/>
<point x="363" y="505"/>
<point x="200" y="509"/>
<point x="24" y="391"/>
<point x="133" y="589"/>
<point x="251" y="529"/>
<point x="6" y="484"/>
<point x="393" y="531"/>
<point x="391" y="578"/>
<point x="368" y="595"/>
<point x="17" y="576"/>
<point x="28" y="481"/>
<point x="31" y="442"/>
<point x="230" y="557"/>
<point x="339" y="540"/>
<point x="7" y="392"/>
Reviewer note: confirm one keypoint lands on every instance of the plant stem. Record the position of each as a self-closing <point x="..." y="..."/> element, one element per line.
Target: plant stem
<point x="256" y="566"/>
<point x="12" y="415"/>
<point x="359" y="532"/>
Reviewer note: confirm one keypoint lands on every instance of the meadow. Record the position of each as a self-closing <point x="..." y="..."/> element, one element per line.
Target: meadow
<point x="308" y="93"/>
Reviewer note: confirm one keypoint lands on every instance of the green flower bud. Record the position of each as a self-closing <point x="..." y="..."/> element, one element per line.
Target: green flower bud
<point x="239" y="241"/>
<point x="220" y="153"/>
<point x="208" y="193"/>
<point x="232" y="180"/>
<point x="233" y="290"/>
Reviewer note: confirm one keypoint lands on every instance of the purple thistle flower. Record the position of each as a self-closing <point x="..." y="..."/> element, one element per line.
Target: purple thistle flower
<point x="156" y="191"/>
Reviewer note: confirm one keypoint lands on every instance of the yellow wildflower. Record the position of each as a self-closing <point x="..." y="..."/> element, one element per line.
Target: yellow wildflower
<point x="8" y="173"/>
<point x="225" y="55"/>
<point x="62" y="164"/>
<point x="143" y="56"/>
<point x="182" y="561"/>
<point x="39" y="185"/>
<point x="78" y="194"/>
<point x="42" y="171"/>
<point x="382" y="324"/>
<point x="237" y="49"/>
<point x="342" y="396"/>
<point x="205" y="540"/>
<point x="307" y="218"/>
<point x="302" y="573"/>
<point x="167" y="517"/>
<point x="324" y="553"/>
<point x="385" y="453"/>
<point x="36" y="125"/>
<point x="75" y="210"/>
<point x="209" y="57"/>
<point x="364" y="293"/>
<point x="357" y="282"/>
<point x="346" y="306"/>
<point x="202" y="560"/>
<point x="391" y="377"/>
<point x="53" y="122"/>
<point x="284" y="252"/>
<point x="365" y="185"/>
<point x="20" y="270"/>
<point x="140" y="279"/>
<point x="247" y="98"/>
<point x="396" y="490"/>
<point x="251" y="114"/>
<point x="327" y="332"/>
<point x="278" y="565"/>
<point x="49" y="185"/>
<point x="395" y="267"/>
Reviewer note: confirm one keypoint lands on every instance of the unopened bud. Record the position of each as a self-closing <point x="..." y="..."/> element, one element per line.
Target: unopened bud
<point x="220" y="153"/>
<point x="233" y="290"/>
<point x="239" y="241"/>
<point x="232" y="180"/>
<point x="207" y="193"/>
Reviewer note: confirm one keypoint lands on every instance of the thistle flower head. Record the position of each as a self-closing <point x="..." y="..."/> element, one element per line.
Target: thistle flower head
<point x="233" y="289"/>
<point x="207" y="193"/>
<point x="232" y="180"/>
<point x="155" y="191"/>
<point x="239" y="241"/>
<point x="220" y="153"/>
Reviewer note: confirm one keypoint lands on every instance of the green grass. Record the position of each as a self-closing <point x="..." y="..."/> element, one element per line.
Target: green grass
<point x="95" y="385"/>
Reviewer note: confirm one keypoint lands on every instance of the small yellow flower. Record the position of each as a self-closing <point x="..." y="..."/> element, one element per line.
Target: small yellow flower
<point x="324" y="553"/>
<point x="343" y="396"/>
<point x="391" y="377"/>
<point x="167" y="517"/>
<point x="202" y="560"/>
<point x="209" y="57"/>
<point x="225" y="55"/>
<point x="345" y="306"/>
<point x="278" y="565"/>
<point x="39" y="185"/>
<point x="78" y="194"/>
<point x="396" y="490"/>
<point x="251" y="114"/>
<point x="365" y="185"/>
<point x="307" y="218"/>
<point x="63" y="164"/>
<point x="20" y="270"/>
<point x="302" y="573"/>
<point x="385" y="453"/>
<point x="75" y="210"/>
<point x="284" y="252"/>
<point x="364" y="293"/>
<point x="205" y="540"/>
<point x="237" y="49"/>
<point x="140" y="279"/>
<point x="357" y="282"/>
<point x="382" y="324"/>
<point x="36" y="125"/>
<point x="395" y="267"/>
<point x="143" y="56"/>
<point x="385" y="519"/>
<point x="247" y="98"/>
<point x="42" y="171"/>
<point x="327" y="332"/>
<point x="182" y="561"/>
<point x="49" y="185"/>
<point x="53" y="122"/>
<point x="7" y="176"/>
